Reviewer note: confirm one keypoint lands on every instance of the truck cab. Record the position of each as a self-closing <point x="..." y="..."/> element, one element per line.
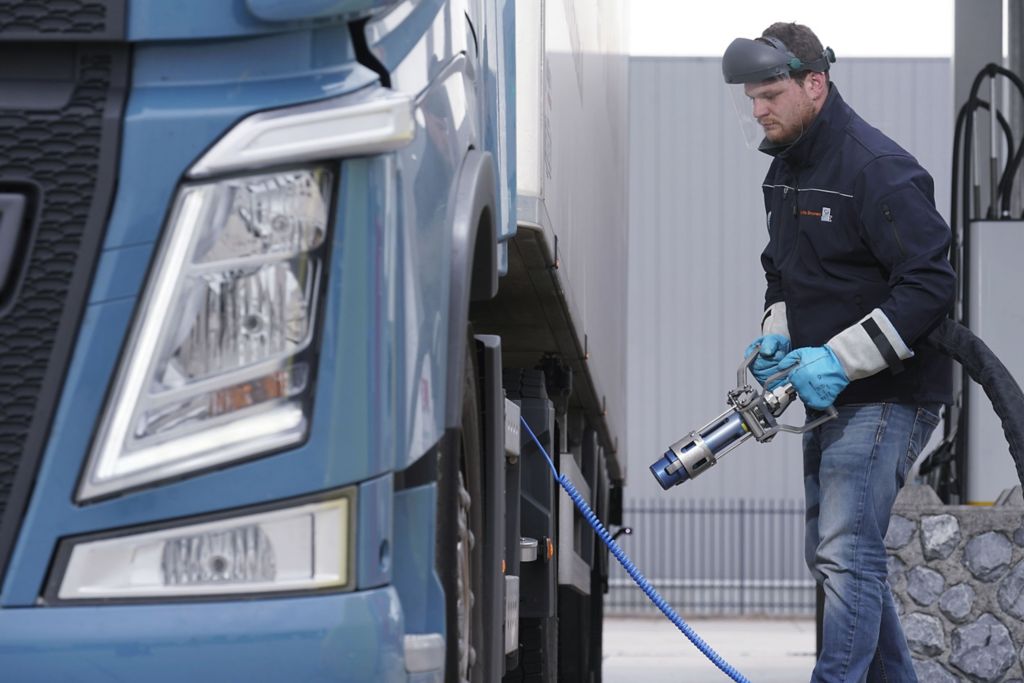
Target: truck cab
<point x="268" y="319"/>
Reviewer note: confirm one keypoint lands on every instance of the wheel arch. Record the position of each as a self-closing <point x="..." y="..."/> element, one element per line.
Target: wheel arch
<point x="474" y="264"/>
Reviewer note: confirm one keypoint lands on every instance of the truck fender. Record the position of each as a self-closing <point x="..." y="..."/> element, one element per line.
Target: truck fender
<point x="474" y="267"/>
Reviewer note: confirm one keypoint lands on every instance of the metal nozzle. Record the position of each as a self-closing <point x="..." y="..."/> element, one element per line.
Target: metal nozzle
<point x="699" y="451"/>
<point x="668" y="472"/>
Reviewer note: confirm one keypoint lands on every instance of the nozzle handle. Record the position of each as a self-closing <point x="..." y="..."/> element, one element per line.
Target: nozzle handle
<point x="830" y="414"/>
<point x="781" y="374"/>
<point x="741" y="372"/>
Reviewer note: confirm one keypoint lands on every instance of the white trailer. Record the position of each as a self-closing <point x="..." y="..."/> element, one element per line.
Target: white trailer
<point x="560" y="315"/>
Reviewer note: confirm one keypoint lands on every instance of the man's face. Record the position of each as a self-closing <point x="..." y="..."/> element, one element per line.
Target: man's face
<point x="782" y="107"/>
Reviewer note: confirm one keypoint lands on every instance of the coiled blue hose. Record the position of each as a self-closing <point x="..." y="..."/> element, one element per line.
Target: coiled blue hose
<point x="634" y="573"/>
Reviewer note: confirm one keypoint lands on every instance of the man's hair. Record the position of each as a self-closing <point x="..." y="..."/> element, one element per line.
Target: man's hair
<point x="800" y="40"/>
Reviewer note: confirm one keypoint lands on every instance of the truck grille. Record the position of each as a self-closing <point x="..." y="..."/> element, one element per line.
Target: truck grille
<point x="61" y="19"/>
<point x="60" y="108"/>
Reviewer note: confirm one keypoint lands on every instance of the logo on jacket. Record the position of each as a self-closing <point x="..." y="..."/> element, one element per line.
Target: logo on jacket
<point x="825" y="214"/>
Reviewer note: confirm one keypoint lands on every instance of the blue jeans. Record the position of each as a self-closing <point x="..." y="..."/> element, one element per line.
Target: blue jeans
<point x="854" y="466"/>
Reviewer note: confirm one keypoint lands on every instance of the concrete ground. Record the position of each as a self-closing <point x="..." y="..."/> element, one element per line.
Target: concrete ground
<point x="653" y="650"/>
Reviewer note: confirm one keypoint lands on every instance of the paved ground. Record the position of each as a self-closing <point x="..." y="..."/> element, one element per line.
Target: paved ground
<point x="652" y="650"/>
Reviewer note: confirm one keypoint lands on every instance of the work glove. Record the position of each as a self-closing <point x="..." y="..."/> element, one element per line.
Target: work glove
<point x="817" y="375"/>
<point x="870" y="346"/>
<point x="773" y="348"/>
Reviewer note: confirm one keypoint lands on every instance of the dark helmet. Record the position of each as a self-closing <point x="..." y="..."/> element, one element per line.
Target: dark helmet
<point x="753" y="61"/>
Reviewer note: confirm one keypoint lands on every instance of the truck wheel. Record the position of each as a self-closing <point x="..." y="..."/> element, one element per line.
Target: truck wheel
<point x="459" y="540"/>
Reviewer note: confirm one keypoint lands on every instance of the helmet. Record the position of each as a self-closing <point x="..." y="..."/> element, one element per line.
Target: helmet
<point x="753" y="61"/>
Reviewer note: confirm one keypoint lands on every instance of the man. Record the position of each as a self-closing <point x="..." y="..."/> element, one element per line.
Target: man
<point x="857" y="274"/>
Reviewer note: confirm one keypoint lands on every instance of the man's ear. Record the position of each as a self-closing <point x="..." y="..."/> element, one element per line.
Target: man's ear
<point x="817" y="86"/>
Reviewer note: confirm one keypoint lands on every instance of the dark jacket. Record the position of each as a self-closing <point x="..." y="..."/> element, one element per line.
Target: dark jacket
<point x="852" y="227"/>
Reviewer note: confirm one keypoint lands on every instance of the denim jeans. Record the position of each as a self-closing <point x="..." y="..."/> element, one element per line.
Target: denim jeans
<point x="854" y="466"/>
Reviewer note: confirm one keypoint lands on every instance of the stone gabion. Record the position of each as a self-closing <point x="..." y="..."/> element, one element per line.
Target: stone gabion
<point x="940" y="535"/>
<point x="956" y="603"/>
<point x="1011" y="592"/>
<point x="930" y="671"/>
<point x="901" y="530"/>
<point x="988" y="555"/>
<point x="958" y="574"/>
<point x="983" y="650"/>
<point x="924" y="634"/>
<point x="925" y="585"/>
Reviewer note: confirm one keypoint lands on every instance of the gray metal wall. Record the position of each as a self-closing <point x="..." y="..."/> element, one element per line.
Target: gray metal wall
<point x="696" y="231"/>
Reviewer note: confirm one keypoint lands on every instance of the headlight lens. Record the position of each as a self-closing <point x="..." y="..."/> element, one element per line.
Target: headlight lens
<point x="303" y="547"/>
<point x="218" y="364"/>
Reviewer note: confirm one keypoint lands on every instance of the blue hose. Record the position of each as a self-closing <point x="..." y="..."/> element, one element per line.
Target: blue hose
<point x="634" y="573"/>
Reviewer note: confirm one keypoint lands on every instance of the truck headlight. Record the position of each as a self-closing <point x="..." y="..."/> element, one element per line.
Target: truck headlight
<point x="302" y="547"/>
<point x="218" y="363"/>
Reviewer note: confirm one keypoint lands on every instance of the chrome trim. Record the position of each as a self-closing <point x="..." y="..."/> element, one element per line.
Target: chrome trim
<point x="381" y="121"/>
<point x="527" y="549"/>
<point x="511" y="614"/>
<point x="513" y="448"/>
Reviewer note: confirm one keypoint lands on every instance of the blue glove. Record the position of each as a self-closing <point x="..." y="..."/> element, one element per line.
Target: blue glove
<point x="773" y="348"/>
<point x="818" y="376"/>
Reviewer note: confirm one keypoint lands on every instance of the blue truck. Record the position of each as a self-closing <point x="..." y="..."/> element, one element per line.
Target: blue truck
<point x="278" y="279"/>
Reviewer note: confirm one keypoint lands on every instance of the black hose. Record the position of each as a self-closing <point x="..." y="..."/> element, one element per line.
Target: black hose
<point x="1006" y="182"/>
<point x="985" y="368"/>
<point x="954" y="445"/>
<point x="1012" y="166"/>
<point x="990" y="70"/>
<point x="1007" y="176"/>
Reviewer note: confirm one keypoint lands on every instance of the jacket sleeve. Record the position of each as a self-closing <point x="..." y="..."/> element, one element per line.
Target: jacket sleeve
<point x="773" y="291"/>
<point x="910" y="240"/>
<point x="773" y="282"/>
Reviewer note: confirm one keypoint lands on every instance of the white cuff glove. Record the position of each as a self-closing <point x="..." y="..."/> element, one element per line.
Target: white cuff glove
<point x="870" y="346"/>
<point x="774" y="320"/>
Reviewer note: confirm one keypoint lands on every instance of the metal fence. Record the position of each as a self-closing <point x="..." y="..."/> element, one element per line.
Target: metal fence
<point x="715" y="557"/>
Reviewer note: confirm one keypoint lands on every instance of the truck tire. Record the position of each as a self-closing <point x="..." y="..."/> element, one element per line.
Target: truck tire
<point x="459" y="546"/>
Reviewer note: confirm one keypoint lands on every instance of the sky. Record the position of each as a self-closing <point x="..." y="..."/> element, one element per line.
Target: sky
<point x="867" y="28"/>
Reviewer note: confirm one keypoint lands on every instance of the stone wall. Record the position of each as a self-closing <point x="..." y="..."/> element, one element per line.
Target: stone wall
<point x="957" y="574"/>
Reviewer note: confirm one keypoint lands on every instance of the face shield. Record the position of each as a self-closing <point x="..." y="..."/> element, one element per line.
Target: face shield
<point x="773" y="107"/>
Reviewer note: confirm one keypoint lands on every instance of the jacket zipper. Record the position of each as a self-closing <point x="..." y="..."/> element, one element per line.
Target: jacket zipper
<point x="896" y="233"/>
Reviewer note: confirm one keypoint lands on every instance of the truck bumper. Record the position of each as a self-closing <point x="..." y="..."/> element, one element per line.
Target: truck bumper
<point x="334" y="637"/>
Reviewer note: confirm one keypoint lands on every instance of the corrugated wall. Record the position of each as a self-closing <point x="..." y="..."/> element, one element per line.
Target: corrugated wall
<point x="696" y="231"/>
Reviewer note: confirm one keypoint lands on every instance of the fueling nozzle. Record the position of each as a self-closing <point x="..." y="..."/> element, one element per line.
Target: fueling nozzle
<point x="750" y="414"/>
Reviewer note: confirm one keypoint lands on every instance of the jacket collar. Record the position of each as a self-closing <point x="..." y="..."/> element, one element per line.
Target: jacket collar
<point x="833" y="117"/>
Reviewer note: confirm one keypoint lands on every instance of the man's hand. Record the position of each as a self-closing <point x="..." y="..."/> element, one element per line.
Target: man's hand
<point x="817" y="375"/>
<point x="773" y="348"/>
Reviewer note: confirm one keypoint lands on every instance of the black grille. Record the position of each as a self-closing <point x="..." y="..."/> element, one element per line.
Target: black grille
<point x="61" y="158"/>
<point x="61" y="19"/>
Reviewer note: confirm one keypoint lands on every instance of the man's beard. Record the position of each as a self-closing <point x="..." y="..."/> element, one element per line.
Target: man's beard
<point x="780" y="134"/>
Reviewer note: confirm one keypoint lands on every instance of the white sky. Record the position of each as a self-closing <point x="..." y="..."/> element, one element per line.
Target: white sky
<point x="867" y="28"/>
